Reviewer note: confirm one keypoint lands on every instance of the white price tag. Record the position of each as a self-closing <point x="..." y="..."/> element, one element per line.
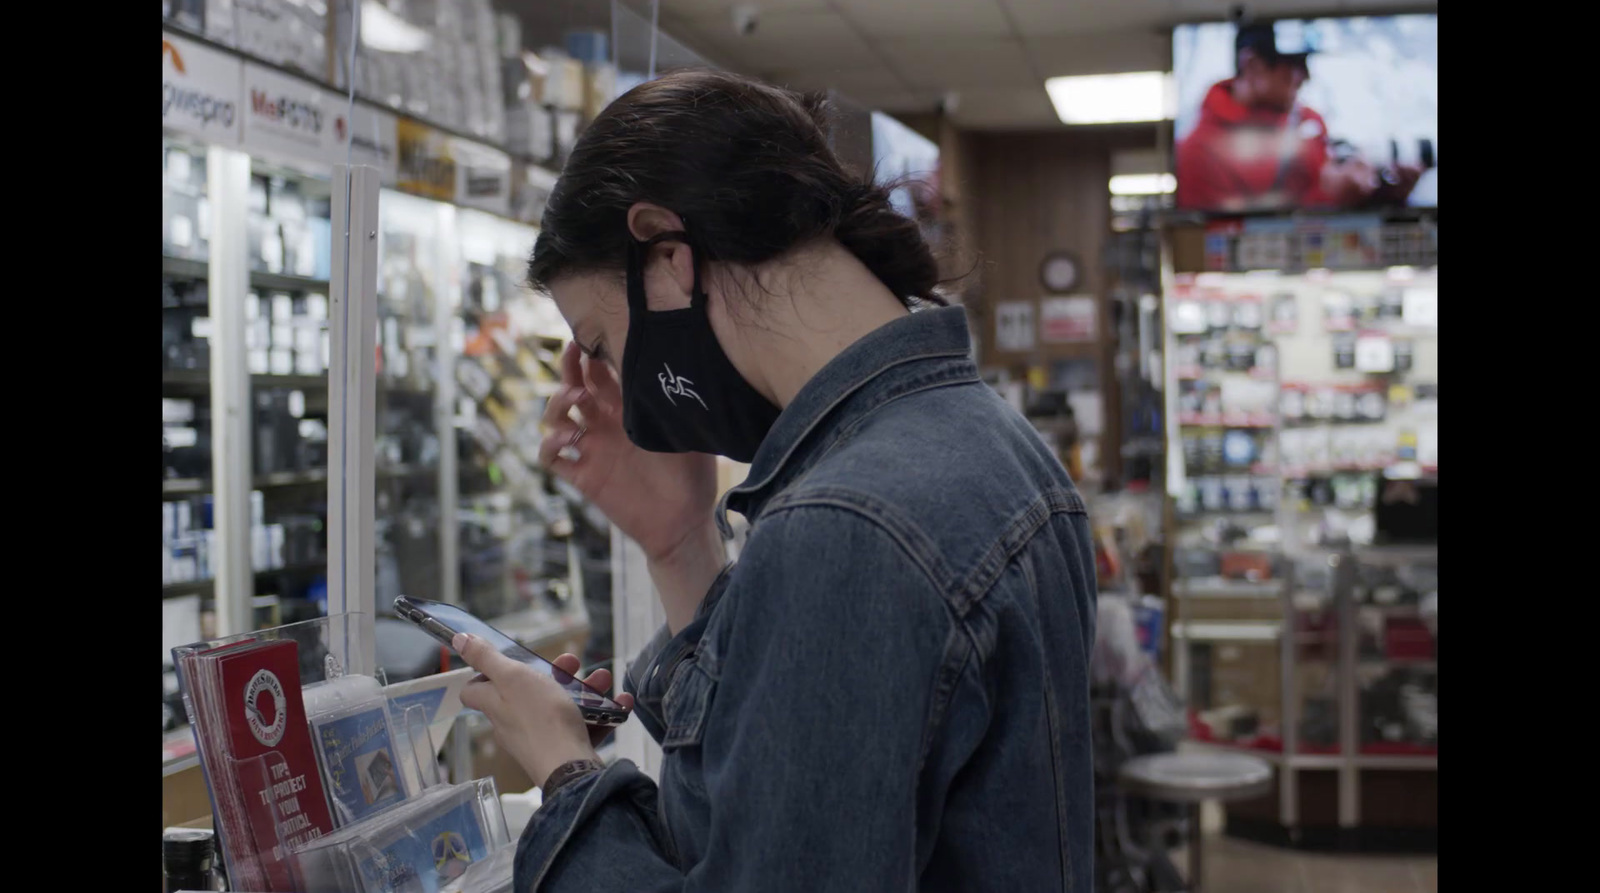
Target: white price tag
<point x="1420" y="307"/>
<point x="1188" y="318"/>
<point x="1374" y="353"/>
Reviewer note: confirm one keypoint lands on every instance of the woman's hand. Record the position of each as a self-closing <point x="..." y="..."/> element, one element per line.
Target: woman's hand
<point x="661" y="500"/>
<point x="534" y="718"/>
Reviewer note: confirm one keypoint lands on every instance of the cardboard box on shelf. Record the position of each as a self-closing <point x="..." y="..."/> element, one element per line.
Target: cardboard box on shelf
<point x="599" y="87"/>
<point x="563" y="86"/>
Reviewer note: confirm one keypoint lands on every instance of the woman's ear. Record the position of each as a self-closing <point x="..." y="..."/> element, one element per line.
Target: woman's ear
<point x="646" y="220"/>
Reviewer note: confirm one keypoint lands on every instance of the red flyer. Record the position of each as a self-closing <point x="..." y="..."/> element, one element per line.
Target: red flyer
<point x="274" y="768"/>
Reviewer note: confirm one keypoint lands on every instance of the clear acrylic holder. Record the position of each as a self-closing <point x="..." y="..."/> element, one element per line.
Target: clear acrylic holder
<point x="418" y="845"/>
<point x="325" y="646"/>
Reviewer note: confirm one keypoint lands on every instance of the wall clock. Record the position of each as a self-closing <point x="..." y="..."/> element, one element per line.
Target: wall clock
<point x="1059" y="272"/>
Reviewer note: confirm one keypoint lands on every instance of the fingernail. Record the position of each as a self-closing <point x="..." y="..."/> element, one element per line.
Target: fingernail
<point x="569" y="453"/>
<point x="460" y="641"/>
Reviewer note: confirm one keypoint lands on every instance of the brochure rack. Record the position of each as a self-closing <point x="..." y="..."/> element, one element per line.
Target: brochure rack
<point x="334" y="861"/>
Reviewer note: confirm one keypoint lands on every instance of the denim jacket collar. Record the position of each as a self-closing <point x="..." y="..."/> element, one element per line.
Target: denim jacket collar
<point x="858" y="370"/>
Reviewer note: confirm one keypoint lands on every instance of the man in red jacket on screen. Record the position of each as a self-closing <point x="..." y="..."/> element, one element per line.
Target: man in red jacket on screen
<point x="1256" y="148"/>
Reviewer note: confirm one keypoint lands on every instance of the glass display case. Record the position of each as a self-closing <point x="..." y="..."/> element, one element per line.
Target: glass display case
<point x="187" y="533"/>
<point x="287" y="354"/>
<point x="533" y="560"/>
<point x="409" y="448"/>
<point x="1304" y="469"/>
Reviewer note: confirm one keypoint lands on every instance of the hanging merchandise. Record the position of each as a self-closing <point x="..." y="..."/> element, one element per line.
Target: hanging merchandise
<point x="1344" y="350"/>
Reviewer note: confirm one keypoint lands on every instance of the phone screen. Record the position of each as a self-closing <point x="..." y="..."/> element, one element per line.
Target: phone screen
<point x="459" y="621"/>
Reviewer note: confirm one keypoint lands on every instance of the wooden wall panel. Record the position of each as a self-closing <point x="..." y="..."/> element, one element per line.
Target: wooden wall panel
<point x="1029" y="194"/>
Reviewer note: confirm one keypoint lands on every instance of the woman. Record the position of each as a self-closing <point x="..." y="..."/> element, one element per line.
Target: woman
<point x="889" y="690"/>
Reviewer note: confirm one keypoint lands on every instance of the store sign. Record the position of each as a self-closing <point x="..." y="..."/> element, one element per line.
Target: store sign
<point x="1014" y="326"/>
<point x="286" y="117"/>
<point x="1068" y="320"/>
<point x="200" y="91"/>
<point x="426" y="164"/>
<point x="483" y="177"/>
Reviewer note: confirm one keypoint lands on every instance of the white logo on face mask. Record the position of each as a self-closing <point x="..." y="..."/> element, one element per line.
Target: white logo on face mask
<point x="672" y="384"/>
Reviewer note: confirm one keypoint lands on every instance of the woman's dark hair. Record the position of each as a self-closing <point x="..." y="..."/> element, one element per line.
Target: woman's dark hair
<point x="746" y="165"/>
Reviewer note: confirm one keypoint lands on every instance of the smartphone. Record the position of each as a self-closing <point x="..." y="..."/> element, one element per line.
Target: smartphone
<point x="443" y="621"/>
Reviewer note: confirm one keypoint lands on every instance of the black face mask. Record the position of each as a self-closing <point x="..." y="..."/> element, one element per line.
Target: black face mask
<point x="680" y="393"/>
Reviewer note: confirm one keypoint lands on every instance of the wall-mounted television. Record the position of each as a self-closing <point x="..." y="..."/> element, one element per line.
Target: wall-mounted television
<point x="1317" y="114"/>
<point x="906" y="161"/>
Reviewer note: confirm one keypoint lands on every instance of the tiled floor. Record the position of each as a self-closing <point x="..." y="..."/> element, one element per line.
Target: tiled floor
<point x="1236" y="866"/>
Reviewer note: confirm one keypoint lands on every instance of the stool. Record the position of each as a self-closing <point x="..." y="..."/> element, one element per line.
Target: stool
<point x="1192" y="779"/>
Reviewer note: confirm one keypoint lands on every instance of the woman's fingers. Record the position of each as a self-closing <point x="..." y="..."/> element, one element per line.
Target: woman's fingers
<point x="561" y="403"/>
<point x="572" y="365"/>
<point x="601" y="386"/>
<point x="599" y="680"/>
<point x="482" y="656"/>
<point x="482" y="696"/>
<point x="562" y="443"/>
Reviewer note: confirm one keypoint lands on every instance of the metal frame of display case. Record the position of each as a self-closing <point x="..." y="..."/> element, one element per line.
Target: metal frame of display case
<point x="1349" y="761"/>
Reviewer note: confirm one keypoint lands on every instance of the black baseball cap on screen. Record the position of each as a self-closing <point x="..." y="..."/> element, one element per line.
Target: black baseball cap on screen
<point x="1270" y="42"/>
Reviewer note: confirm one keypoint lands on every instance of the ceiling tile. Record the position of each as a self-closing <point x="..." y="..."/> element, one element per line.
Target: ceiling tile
<point x="897" y="101"/>
<point x="950" y="63"/>
<point x="1024" y="109"/>
<point x="1137" y="50"/>
<point x="785" y="41"/>
<point x="1042" y="17"/>
<point x="926" y="18"/>
<point x="851" y="81"/>
<point x="702" y="9"/>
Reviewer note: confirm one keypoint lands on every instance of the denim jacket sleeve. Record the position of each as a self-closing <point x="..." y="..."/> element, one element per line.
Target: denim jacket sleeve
<point x="646" y="678"/>
<point x="811" y="740"/>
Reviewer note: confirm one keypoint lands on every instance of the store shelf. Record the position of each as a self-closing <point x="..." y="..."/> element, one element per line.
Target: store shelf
<point x="204" y="587"/>
<point x="1227" y="631"/>
<point x="184" y="486"/>
<point x="1397" y="761"/>
<point x="1221" y="587"/>
<point x="193" y="587"/>
<point x="202" y="381"/>
<point x="282" y="282"/>
<point x="1397" y="556"/>
<point x="302" y="382"/>
<point x="188" y="268"/>
<point x="291" y="478"/>
<point x="187" y="378"/>
<point x="184" y="268"/>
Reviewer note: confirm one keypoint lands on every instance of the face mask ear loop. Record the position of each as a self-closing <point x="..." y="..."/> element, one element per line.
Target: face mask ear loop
<point x="697" y="298"/>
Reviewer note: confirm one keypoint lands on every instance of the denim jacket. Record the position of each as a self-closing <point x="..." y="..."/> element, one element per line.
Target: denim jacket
<point x="890" y="690"/>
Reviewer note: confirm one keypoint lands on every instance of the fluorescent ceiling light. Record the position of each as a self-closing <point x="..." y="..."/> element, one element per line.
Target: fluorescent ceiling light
<point x="386" y="32"/>
<point x="1112" y="98"/>
<point x="1143" y="184"/>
